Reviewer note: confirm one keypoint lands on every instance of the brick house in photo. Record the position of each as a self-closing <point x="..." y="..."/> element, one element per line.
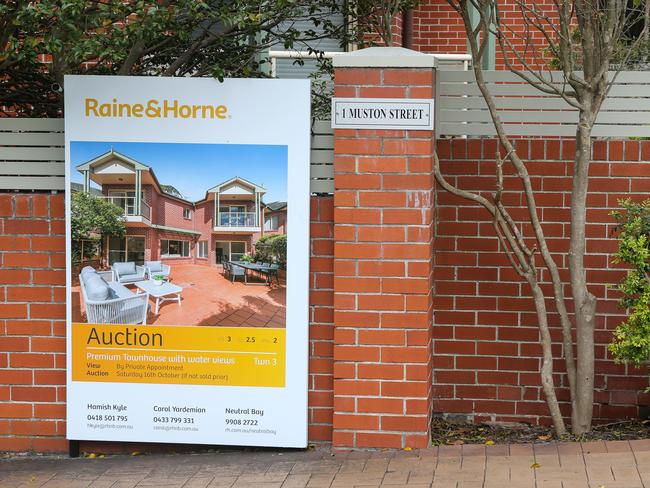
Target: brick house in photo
<point x="162" y="225"/>
<point x="275" y="218"/>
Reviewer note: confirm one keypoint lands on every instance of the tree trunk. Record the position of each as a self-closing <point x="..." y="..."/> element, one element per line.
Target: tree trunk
<point x="584" y="301"/>
<point x="546" y="371"/>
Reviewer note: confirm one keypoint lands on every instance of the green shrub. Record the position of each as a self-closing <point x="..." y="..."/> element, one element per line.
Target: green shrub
<point x="272" y="248"/>
<point x="92" y="217"/>
<point x="632" y="337"/>
<point x="247" y="258"/>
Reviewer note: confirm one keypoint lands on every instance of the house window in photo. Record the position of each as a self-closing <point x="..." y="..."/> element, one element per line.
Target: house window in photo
<point x="202" y="249"/>
<point x="125" y="200"/>
<point x="126" y="249"/>
<point x="271" y="222"/>
<point x="187" y="213"/>
<point x="174" y="249"/>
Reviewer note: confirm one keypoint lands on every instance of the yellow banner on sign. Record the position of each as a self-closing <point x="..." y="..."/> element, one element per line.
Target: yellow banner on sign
<point x="180" y="355"/>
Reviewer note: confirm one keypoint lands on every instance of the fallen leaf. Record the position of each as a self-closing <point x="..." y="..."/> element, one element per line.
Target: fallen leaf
<point x="408" y="448"/>
<point x="489" y="443"/>
<point x="544" y="437"/>
<point x="458" y="442"/>
<point x="535" y="465"/>
<point x="92" y="455"/>
<point x="136" y="453"/>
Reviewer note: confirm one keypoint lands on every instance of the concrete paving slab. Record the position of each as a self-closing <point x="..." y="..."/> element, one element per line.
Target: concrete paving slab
<point x="563" y="465"/>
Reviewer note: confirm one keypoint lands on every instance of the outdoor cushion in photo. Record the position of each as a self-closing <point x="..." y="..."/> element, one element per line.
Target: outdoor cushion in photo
<point x="125" y="268"/>
<point x="97" y="289"/>
<point x="86" y="270"/>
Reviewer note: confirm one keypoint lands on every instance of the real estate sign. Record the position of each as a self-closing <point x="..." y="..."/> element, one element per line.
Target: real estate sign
<point x="188" y="239"/>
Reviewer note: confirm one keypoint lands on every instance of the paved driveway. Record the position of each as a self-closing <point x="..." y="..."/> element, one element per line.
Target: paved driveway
<point x="618" y="464"/>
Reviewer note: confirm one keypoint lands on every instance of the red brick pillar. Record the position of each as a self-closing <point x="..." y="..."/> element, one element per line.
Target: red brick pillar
<point x="383" y="260"/>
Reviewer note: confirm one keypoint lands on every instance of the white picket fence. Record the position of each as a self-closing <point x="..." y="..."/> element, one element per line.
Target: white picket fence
<point x="526" y="111"/>
<point x="32" y="155"/>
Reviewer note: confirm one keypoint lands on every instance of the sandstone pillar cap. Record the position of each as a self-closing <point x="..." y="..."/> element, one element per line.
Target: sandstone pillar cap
<point x="384" y="57"/>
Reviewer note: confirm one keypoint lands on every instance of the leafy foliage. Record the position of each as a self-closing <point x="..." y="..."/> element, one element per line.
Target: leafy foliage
<point x="86" y="250"/>
<point x="632" y="337"/>
<point x="92" y="217"/>
<point x="376" y="18"/>
<point x="247" y="258"/>
<point x="42" y="41"/>
<point x="631" y="51"/>
<point x="272" y="248"/>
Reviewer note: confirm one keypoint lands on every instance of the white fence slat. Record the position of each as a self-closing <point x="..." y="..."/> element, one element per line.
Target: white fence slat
<point x="557" y="130"/>
<point x="541" y="103"/>
<point x="43" y="125"/>
<point x="495" y="76"/>
<point x="620" y="131"/>
<point x="322" y="186"/>
<point x="509" y="116"/>
<point x="322" y="171"/>
<point x="30" y="139"/>
<point x="487" y="129"/>
<point x="322" y="142"/>
<point x="322" y="127"/>
<point x="526" y="90"/>
<point x="32" y="183"/>
<point x="32" y="154"/>
<point x="547" y="116"/>
<point x="322" y="156"/>
<point x="31" y="168"/>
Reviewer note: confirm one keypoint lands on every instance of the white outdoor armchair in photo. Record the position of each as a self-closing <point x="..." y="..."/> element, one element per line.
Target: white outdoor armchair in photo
<point x="128" y="272"/>
<point x="154" y="268"/>
<point x="109" y="302"/>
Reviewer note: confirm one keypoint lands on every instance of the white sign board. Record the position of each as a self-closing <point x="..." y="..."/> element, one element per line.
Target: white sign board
<point x="189" y="325"/>
<point x="382" y="113"/>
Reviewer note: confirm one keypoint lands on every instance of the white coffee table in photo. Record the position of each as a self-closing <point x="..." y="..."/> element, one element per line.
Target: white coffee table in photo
<point x="167" y="292"/>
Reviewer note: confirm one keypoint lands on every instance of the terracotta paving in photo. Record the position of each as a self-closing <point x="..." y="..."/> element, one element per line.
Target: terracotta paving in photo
<point x="617" y="464"/>
<point x="209" y="299"/>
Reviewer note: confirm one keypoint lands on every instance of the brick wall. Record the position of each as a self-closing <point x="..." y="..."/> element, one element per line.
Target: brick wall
<point x="485" y="358"/>
<point x="439" y="29"/>
<point x="486" y="346"/>
<point x="32" y="324"/>
<point x="383" y="219"/>
<point x="321" y="327"/>
<point x="169" y="212"/>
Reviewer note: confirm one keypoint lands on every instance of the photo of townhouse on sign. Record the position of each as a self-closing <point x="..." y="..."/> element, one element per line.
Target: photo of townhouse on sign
<point x="198" y="247"/>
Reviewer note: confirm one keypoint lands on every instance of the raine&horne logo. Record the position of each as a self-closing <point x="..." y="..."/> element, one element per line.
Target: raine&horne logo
<point x="153" y="109"/>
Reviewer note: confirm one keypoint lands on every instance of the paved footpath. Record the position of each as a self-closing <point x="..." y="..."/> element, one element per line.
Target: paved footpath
<point x="619" y="464"/>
